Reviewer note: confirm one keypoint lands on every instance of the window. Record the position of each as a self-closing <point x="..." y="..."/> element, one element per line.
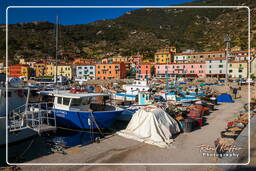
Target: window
<point x="91" y="72"/>
<point x="59" y="100"/>
<point x="220" y="66"/>
<point x="220" y="71"/>
<point x="210" y="72"/>
<point x="201" y="66"/>
<point x="210" y="66"/>
<point x="240" y="70"/>
<point x="220" y="61"/>
<point x="91" y="67"/>
<point x="183" y="66"/>
<point x="66" y="101"/>
<point x="98" y="72"/>
<point x="79" y="67"/>
<point x="192" y="66"/>
<point x="230" y="71"/>
<point x="210" y="61"/>
<point x="98" y="66"/>
<point x="230" y="65"/>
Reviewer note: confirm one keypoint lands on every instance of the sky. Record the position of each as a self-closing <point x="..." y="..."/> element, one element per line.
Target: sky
<point x="71" y="16"/>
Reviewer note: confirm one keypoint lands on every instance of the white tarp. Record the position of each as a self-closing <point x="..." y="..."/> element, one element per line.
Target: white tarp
<point x="151" y="125"/>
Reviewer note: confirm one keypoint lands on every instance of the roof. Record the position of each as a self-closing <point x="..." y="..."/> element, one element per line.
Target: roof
<point x="67" y="94"/>
<point x="198" y="53"/>
<point x="216" y="58"/>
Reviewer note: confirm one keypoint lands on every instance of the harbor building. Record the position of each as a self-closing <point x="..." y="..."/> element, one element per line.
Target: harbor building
<point x="143" y="71"/>
<point x="196" y="57"/>
<point x="180" y="70"/>
<point x="163" y="56"/>
<point x="238" y="69"/>
<point x="110" y="71"/>
<point x="216" y="67"/>
<point x="84" y="72"/>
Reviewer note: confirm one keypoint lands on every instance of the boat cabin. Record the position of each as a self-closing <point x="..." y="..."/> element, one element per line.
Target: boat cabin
<point x="64" y="100"/>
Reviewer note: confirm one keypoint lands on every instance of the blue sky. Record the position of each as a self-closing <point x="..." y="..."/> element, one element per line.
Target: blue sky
<point x="70" y="16"/>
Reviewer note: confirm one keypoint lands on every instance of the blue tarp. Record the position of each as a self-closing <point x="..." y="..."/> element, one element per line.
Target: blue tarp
<point x="226" y="98"/>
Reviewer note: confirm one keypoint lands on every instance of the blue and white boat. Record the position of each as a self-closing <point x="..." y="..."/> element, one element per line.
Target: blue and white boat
<point x="81" y="110"/>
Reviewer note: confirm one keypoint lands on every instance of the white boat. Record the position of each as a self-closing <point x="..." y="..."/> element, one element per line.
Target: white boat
<point x="131" y="91"/>
<point x="16" y="98"/>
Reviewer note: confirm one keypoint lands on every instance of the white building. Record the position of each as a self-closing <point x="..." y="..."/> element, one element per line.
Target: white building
<point x="215" y="67"/>
<point x="85" y="72"/>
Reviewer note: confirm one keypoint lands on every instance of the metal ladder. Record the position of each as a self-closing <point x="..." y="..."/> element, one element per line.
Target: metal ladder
<point x="36" y="116"/>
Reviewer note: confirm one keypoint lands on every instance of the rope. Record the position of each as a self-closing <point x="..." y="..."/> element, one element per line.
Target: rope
<point x="76" y="130"/>
<point x="96" y="124"/>
<point x="28" y="147"/>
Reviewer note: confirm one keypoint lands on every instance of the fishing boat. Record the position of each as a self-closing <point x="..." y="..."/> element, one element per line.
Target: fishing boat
<point x="82" y="110"/>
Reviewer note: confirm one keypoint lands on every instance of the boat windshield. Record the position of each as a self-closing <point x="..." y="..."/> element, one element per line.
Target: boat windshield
<point x="80" y="102"/>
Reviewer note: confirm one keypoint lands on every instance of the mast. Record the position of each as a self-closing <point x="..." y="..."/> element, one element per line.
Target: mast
<point x="56" y="53"/>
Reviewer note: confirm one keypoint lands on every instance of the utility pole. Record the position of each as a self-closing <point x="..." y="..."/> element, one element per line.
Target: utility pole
<point x="227" y="40"/>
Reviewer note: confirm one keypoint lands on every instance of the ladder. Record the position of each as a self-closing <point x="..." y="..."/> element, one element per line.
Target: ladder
<point x="37" y="116"/>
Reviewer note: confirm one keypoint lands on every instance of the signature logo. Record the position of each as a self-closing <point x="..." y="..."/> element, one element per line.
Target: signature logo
<point x="220" y="150"/>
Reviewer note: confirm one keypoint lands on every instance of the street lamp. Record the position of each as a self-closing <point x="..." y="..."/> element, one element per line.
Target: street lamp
<point x="227" y="40"/>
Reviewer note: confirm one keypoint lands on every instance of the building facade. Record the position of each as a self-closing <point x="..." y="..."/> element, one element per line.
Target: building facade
<point x="180" y="69"/>
<point x="110" y="71"/>
<point x="216" y="67"/>
<point x="19" y="70"/>
<point x="143" y="71"/>
<point x="238" y="69"/>
<point x="85" y="72"/>
<point x="163" y="56"/>
<point x="196" y="57"/>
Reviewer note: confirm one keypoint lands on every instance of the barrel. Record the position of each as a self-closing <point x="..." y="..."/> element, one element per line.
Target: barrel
<point x="188" y="124"/>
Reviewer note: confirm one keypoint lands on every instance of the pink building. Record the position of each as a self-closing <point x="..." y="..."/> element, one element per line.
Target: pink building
<point x="180" y="69"/>
<point x="143" y="71"/>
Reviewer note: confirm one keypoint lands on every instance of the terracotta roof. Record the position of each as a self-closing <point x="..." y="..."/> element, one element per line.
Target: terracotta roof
<point x="216" y="58"/>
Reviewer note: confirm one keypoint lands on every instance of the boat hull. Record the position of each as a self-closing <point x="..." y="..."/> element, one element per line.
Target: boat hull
<point x="14" y="137"/>
<point x="85" y="120"/>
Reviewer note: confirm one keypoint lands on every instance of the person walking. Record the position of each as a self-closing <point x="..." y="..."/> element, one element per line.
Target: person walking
<point x="235" y="92"/>
<point x="196" y="90"/>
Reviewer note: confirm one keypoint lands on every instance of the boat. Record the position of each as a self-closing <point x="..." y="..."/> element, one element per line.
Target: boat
<point x="82" y="110"/>
<point x="130" y="91"/>
<point x="17" y="97"/>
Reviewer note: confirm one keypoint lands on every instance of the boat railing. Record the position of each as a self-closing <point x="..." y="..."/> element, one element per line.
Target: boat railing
<point x="37" y="116"/>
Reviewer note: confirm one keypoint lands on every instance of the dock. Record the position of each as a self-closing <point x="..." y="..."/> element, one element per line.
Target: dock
<point x="115" y="149"/>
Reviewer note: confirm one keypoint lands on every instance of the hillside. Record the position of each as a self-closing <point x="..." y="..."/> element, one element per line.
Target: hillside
<point x="142" y="30"/>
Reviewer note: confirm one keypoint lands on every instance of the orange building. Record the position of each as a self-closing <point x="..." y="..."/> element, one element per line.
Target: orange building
<point x="19" y="70"/>
<point x="110" y="71"/>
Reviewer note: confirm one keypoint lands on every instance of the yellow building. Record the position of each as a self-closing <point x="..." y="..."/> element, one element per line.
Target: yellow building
<point x="39" y="69"/>
<point x="238" y="69"/>
<point x="64" y="70"/>
<point x="119" y="59"/>
<point x="50" y="70"/>
<point x="25" y="71"/>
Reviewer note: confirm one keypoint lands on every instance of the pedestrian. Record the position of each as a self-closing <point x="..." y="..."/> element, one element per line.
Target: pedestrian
<point x="196" y="90"/>
<point x="235" y="92"/>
